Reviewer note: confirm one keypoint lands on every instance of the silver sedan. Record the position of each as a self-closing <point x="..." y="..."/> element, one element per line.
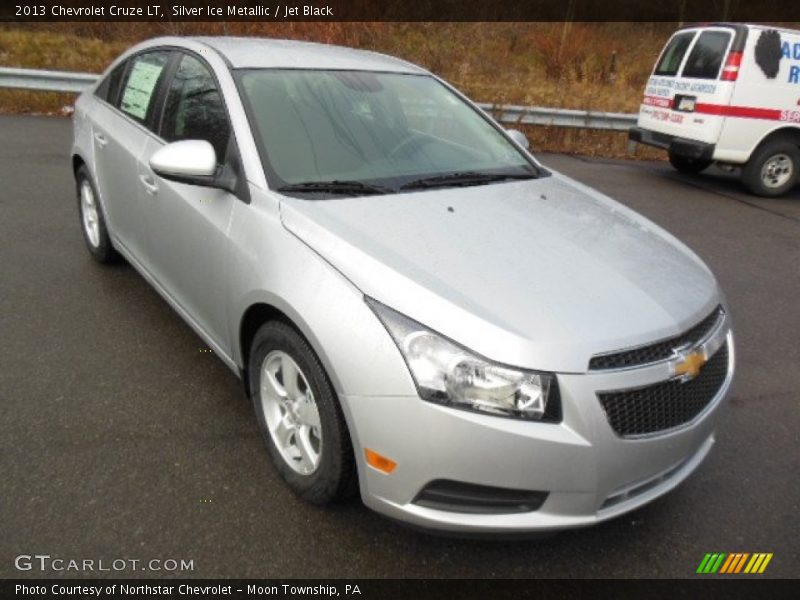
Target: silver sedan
<point x="419" y="310"/>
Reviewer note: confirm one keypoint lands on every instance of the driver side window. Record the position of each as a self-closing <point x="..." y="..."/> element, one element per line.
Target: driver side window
<point x="194" y="109"/>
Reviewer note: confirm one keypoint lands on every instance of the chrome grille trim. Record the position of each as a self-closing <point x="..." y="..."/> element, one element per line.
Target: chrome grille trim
<point x="661" y="351"/>
<point x="671" y="405"/>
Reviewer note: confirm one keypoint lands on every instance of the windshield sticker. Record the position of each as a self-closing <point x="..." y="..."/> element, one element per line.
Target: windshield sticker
<point x="139" y="89"/>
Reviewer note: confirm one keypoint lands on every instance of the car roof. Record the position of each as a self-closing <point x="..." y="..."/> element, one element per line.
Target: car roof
<point x="261" y="53"/>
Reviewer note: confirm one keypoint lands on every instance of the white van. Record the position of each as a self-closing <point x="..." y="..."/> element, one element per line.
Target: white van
<point x="728" y="93"/>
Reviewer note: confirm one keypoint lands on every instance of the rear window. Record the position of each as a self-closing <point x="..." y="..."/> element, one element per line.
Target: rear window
<point x="672" y="56"/>
<point x="707" y="55"/>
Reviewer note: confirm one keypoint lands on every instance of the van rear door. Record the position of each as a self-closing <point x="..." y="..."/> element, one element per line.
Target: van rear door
<point x="692" y="78"/>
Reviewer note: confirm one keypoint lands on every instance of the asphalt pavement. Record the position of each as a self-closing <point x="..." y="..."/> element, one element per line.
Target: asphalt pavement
<point x="121" y="439"/>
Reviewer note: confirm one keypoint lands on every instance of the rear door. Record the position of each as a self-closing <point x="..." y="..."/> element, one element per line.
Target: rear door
<point x="689" y="84"/>
<point x="120" y="133"/>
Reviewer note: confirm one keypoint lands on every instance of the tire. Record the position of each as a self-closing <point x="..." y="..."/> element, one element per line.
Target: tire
<point x="773" y="169"/>
<point x="92" y="219"/>
<point x="277" y="350"/>
<point x="687" y="165"/>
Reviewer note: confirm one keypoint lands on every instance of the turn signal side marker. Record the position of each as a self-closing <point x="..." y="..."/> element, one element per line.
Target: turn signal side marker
<point x="383" y="464"/>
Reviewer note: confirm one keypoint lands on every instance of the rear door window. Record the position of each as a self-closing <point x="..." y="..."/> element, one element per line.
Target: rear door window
<point x="108" y="90"/>
<point x="137" y="98"/>
<point x="705" y="59"/>
<point x="673" y="54"/>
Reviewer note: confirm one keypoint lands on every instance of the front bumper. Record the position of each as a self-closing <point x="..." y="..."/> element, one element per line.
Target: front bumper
<point x="590" y="474"/>
<point x="672" y="144"/>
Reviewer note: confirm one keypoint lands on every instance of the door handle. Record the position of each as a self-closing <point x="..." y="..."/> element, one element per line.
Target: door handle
<point x="100" y="139"/>
<point x="149" y="184"/>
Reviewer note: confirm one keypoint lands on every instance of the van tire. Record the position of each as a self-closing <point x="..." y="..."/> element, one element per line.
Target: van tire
<point x="688" y="165"/>
<point x="759" y="174"/>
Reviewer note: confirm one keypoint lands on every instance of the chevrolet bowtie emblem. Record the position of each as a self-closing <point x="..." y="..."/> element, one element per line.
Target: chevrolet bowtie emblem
<point x="688" y="367"/>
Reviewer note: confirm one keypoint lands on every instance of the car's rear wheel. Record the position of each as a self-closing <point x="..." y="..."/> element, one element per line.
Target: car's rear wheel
<point x="299" y="415"/>
<point x="688" y="165"/>
<point x="773" y="169"/>
<point x="93" y="222"/>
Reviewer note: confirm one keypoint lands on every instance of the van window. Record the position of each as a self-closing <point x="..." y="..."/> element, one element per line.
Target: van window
<point x="140" y="86"/>
<point x="706" y="57"/>
<point x="673" y="54"/>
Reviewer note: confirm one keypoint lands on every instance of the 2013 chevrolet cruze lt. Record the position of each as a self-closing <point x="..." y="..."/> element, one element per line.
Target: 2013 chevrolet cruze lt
<point x="416" y="306"/>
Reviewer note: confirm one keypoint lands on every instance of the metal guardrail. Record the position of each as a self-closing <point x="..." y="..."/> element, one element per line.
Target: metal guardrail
<point x="63" y="81"/>
<point x="560" y="117"/>
<point x="47" y="81"/>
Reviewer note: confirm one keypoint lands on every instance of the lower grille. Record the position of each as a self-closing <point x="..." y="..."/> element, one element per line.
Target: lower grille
<point x="642" y="487"/>
<point x="456" y="496"/>
<point x="665" y="405"/>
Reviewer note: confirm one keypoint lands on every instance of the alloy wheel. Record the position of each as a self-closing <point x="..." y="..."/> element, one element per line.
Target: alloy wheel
<point x="291" y="412"/>
<point x="91" y="222"/>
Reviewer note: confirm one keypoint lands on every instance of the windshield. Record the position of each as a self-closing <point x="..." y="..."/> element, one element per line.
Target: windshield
<point x="371" y="132"/>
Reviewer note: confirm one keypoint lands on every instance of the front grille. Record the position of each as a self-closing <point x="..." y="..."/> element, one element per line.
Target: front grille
<point x="665" y="405"/>
<point x="659" y="351"/>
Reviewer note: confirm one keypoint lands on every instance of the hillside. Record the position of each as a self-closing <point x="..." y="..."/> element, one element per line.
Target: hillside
<point x="589" y="66"/>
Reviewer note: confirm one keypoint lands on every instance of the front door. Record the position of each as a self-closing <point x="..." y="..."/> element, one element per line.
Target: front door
<point x="189" y="224"/>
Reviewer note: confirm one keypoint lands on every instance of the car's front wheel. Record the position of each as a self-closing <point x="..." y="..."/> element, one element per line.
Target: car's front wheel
<point x="299" y="415"/>
<point x="93" y="222"/>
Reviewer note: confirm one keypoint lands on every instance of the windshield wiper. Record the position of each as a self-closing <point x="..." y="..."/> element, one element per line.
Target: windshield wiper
<point x="336" y="187"/>
<point x="462" y="178"/>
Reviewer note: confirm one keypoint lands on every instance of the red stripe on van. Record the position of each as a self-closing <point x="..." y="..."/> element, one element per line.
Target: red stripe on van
<point x="720" y="110"/>
<point x="657" y="101"/>
<point x="747" y="112"/>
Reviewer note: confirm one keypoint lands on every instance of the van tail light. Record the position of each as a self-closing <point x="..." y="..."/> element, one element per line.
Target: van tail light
<point x="730" y="71"/>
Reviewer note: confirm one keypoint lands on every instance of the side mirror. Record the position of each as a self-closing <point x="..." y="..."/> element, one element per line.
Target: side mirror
<point x="193" y="162"/>
<point x="519" y="137"/>
<point x="185" y="160"/>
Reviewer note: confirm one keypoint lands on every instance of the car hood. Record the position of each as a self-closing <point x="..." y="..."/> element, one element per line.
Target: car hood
<point x="540" y="274"/>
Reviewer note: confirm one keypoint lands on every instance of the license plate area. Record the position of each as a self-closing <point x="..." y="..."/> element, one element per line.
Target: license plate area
<point x="684" y="103"/>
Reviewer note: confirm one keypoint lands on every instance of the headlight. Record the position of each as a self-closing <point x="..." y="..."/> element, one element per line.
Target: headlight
<point x="451" y="375"/>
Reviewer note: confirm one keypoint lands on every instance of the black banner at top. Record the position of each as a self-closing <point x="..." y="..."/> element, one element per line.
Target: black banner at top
<point x="769" y="11"/>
